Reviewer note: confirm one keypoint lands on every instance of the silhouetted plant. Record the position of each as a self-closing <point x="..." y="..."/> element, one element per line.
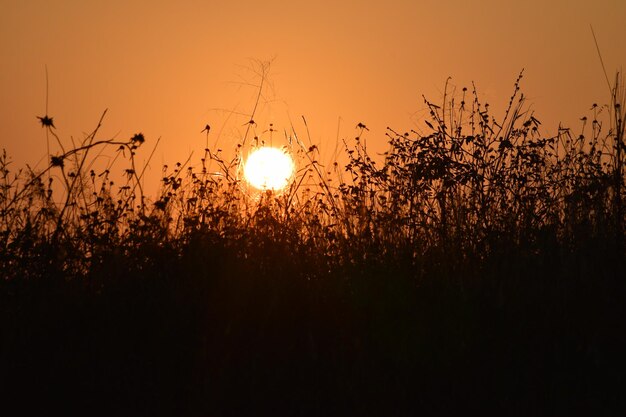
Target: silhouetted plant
<point x="475" y="247"/>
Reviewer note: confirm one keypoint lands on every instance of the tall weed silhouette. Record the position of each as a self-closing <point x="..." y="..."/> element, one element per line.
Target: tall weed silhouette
<point x="478" y="265"/>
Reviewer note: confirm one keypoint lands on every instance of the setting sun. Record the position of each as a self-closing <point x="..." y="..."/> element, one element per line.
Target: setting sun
<point x="268" y="169"/>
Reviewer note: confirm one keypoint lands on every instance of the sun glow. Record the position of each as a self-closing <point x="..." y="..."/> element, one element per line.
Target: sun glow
<point x="268" y="169"/>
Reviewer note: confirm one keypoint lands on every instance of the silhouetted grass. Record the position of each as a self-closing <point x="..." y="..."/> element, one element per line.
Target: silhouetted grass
<point x="478" y="268"/>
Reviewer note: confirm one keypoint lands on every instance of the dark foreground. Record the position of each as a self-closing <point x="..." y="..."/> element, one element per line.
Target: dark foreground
<point x="479" y="270"/>
<point x="211" y="334"/>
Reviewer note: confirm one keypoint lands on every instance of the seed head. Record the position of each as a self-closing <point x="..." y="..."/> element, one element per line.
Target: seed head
<point x="56" y="161"/>
<point x="46" y="121"/>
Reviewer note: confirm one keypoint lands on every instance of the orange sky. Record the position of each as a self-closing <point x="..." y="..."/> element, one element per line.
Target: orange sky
<point x="164" y="68"/>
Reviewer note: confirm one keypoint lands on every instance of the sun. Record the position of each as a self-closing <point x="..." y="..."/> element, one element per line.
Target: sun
<point x="268" y="168"/>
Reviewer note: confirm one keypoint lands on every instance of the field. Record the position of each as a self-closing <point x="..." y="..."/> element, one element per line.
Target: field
<point x="478" y="268"/>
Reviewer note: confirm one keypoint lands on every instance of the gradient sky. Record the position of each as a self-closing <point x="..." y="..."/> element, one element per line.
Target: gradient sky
<point x="168" y="68"/>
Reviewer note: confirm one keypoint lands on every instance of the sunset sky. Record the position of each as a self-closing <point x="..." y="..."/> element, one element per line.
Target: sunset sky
<point x="168" y="68"/>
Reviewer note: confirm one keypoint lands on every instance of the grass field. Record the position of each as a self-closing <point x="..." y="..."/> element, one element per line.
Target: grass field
<point x="478" y="268"/>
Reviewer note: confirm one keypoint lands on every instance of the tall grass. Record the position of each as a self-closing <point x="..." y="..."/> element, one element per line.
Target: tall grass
<point x="478" y="266"/>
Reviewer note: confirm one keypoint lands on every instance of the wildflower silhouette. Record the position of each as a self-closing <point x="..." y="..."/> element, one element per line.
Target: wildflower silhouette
<point x="138" y="139"/>
<point x="57" y="161"/>
<point x="362" y="126"/>
<point x="46" y="121"/>
<point x="207" y="129"/>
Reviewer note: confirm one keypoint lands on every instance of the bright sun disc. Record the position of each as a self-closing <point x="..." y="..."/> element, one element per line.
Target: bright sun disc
<point x="268" y="169"/>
